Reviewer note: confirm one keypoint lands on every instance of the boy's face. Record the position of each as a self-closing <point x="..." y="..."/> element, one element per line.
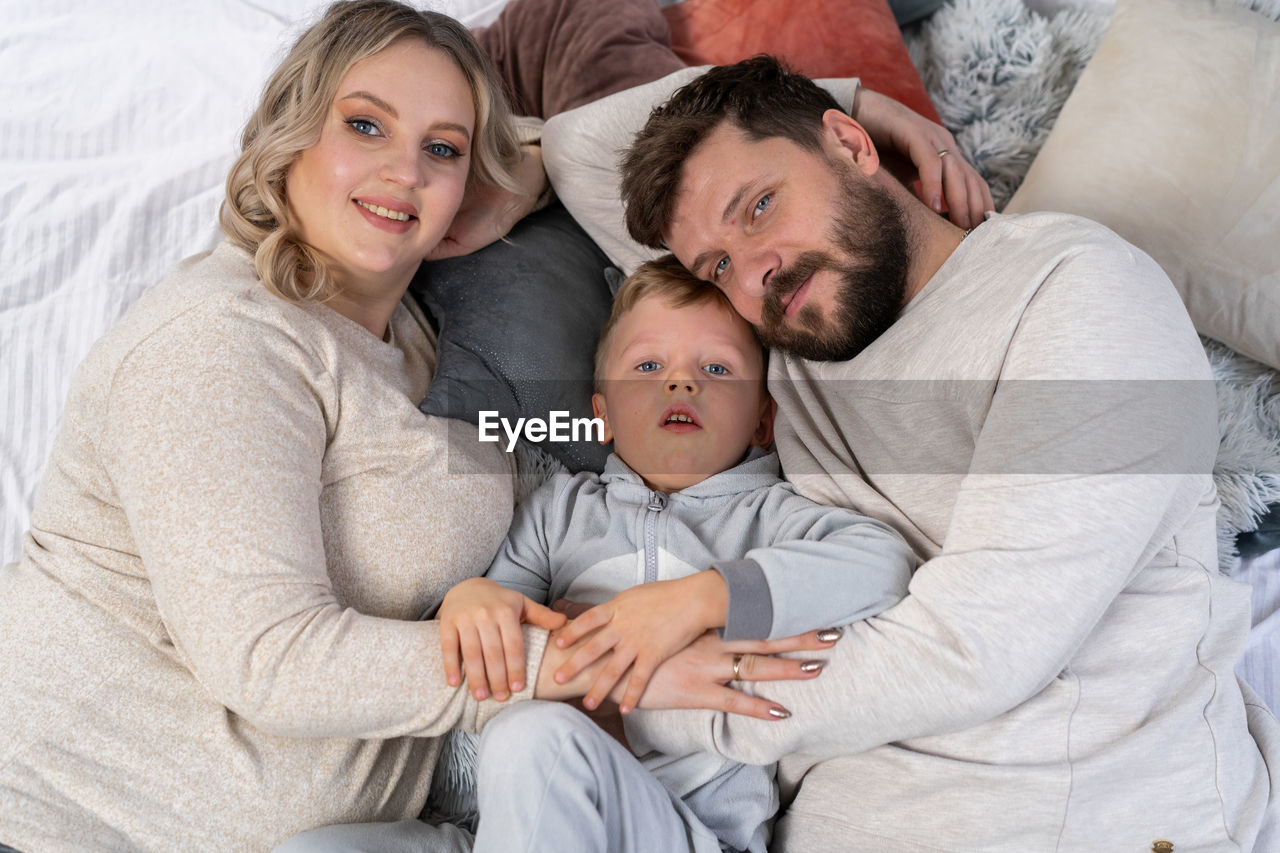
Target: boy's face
<point x="683" y="392"/>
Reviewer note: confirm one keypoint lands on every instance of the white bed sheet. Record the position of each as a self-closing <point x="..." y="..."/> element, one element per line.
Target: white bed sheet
<point x="120" y="119"/>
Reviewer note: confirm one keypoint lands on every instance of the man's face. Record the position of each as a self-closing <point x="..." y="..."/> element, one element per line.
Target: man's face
<point x="808" y="250"/>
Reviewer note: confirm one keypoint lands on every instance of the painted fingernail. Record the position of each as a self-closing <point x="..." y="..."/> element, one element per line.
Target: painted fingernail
<point x="779" y="713"/>
<point x="811" y="666"/>
<point x="829" y="635"/>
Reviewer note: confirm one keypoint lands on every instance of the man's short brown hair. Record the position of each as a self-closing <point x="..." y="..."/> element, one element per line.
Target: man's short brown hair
<point x="758" y="95"/>
<point x="664" y="277"/>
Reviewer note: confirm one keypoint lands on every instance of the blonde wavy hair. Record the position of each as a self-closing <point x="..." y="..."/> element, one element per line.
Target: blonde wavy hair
<point x="294" y="105"/>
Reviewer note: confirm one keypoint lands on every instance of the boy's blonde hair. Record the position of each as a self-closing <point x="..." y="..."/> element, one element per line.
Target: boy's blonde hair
<point x="665" y="277"/>
<point x="294" y="105"/>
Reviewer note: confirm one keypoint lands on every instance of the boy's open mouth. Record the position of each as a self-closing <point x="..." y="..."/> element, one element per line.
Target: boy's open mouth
<point x="679" y="418"/>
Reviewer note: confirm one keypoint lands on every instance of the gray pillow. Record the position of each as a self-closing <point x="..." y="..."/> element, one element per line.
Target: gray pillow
<point x="517" y="323"/>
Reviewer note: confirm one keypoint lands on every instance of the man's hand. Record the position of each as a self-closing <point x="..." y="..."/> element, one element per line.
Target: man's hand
<point x="488" y="213"/>
<point x="898" y="128"/>
<point x="481" y="619"/>
<point x="642" y="626"/>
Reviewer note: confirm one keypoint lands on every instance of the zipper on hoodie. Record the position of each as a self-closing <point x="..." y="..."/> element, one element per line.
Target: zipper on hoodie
<point x="657" y="503"/>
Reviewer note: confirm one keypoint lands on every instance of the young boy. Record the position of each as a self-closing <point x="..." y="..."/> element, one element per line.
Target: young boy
<point x="689" y="487"/>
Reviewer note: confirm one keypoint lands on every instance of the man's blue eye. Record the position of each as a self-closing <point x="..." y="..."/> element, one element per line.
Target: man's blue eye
<point x="647" y="366"/>
<point x="441" y="149"/>
<point x="717" y="370"/>
<point x="364" y="127"/>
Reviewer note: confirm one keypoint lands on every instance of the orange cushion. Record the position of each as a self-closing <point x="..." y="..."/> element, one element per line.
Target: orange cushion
<point x="818" y="38"/>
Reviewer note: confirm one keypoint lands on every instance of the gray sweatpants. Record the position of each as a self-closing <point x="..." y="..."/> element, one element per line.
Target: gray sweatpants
<point x="549" y="779"/>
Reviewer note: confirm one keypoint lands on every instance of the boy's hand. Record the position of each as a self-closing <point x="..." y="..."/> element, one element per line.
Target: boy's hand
<point x="482" y="619"/>
<point x="642" y="626"/>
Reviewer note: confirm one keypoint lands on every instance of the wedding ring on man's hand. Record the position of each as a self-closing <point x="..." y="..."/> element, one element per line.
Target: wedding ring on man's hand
<point x="737" y="662"/>
<point x="943" y="153"/>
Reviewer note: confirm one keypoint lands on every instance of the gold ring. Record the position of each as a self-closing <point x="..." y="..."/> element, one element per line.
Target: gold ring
<point x="737" y="662"/>
<point x="943" y="153"/>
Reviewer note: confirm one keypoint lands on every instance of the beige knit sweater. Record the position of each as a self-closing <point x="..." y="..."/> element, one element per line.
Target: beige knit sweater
<point x="209" y="642"/>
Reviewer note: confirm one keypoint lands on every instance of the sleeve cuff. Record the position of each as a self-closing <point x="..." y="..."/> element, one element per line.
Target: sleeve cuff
<point x="750" y="614"/>
<point x="535" y="643"/>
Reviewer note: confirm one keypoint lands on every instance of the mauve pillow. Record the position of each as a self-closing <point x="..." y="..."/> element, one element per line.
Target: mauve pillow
<point x="554" y="55"/>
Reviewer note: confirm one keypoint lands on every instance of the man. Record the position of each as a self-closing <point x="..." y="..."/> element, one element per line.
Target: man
<point x="1029" y="404"/>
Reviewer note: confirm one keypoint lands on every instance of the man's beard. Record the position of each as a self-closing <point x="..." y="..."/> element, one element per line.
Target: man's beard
<point x="870" y="232"/>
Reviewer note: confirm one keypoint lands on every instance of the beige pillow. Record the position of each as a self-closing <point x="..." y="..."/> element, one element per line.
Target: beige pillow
<point x="1171" y="138"/>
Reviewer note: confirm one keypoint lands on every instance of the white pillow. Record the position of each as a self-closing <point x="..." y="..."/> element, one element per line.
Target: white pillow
<point x="1171" y="138"/>
<point x="581" y="150"/>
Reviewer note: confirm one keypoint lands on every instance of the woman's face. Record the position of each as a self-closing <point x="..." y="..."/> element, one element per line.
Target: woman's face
<point x="379" y="188"/>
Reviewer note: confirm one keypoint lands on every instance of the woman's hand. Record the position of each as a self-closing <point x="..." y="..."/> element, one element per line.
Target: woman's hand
<point x="699" y="675"/>
<point x="482" y="619"/>
<point x="642" y="626"/>
<point x="897" y="127"/>
<point x="488" y="213"/>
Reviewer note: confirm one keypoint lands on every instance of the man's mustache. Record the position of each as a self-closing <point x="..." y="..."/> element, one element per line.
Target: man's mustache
<point x="786" y="281"/>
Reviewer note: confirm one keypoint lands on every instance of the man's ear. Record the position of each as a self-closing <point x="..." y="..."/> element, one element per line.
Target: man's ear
<point x="599" y="409"/>
<point x="763" y="436"/>
<point x="851" y="140"/>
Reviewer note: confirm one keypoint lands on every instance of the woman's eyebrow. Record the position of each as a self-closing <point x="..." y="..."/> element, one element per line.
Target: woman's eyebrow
<point x="373" y="99"/>
<point x="452" y="125"/>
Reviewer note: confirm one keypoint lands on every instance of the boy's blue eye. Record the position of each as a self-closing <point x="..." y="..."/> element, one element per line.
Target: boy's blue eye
<point x="717" y="370"/>
<point x="648" y="366"/>
<point x="363" y="126"/>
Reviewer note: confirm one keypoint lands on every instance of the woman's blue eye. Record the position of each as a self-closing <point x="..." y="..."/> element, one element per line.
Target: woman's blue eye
<point x="442" y="149"/>
<point x="362" y="126"/>
<point x="648" y="366"/>
<point x="717" y="370"/>
<point x="720" y="267"/>
<point x="762" y="204"/>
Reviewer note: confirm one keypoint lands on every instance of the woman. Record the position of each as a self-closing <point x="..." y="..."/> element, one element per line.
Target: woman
<point x="209" y="641"/>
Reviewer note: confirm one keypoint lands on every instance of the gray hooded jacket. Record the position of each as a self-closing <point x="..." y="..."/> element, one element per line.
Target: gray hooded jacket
<point x="791" y="565"/>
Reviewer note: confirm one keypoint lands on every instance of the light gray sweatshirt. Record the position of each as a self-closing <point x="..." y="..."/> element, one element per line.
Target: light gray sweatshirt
<point x="791" y="566"/>
<point x="1040" y="423"/>
<point x="211" y="641"/>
